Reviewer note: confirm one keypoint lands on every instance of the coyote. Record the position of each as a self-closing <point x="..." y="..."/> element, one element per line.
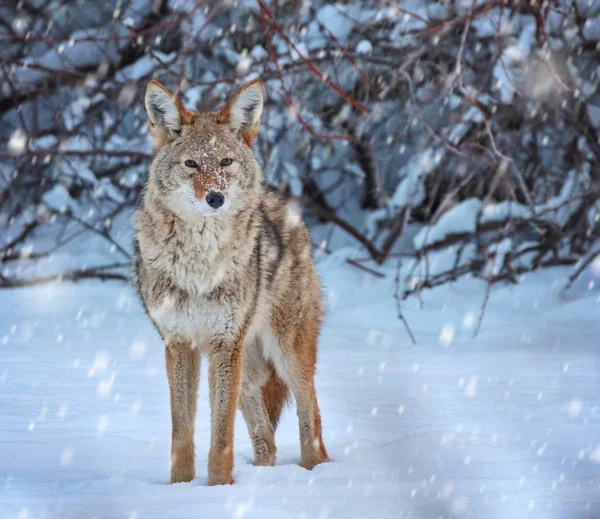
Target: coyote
<point x="224" y="269"/>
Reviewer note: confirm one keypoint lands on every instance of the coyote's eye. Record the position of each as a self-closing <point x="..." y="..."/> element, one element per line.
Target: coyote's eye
<point x="191" y="164"/>
<point x="226" y="162"/>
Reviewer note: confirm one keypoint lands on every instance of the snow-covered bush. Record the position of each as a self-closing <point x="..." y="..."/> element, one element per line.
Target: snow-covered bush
<point x="472" y="126"/>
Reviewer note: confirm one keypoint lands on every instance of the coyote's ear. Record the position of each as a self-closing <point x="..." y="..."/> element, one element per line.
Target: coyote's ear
<point x="166" y="115"/>
<point x="243" y="111"/>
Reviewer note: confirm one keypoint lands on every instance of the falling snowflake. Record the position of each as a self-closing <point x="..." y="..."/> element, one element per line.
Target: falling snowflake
<point x="17" y="142"/>
<point x="446" y="335"/>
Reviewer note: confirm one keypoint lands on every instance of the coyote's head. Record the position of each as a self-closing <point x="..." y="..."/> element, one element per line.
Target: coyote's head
<point x="204" y="164"/>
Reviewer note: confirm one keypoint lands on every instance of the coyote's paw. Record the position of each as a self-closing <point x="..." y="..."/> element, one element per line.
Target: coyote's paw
<point x="220" y="479"/>
<point x="310" y="462"/>
<point x="182" y="474"/>
<point x="182" y="463"/>
<point x="220" y="467"/>
<point x="264" y="460"/>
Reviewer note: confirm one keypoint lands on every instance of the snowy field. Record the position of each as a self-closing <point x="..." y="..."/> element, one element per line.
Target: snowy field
<point x="504" y="426"/>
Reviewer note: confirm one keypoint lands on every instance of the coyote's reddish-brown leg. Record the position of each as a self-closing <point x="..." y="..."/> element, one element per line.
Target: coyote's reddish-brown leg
<point x="224" y="373"/>
<point x="183" y="372"/>
<point x="299" y="375"/>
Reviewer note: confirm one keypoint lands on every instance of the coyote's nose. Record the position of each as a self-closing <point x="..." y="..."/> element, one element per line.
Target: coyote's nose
<point x="215" y="200"/>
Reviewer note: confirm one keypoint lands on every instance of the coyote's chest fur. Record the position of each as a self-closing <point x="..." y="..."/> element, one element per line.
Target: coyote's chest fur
<point x="184" y="275"/>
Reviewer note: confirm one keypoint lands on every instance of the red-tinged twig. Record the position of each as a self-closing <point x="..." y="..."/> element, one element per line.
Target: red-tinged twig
<point x="291" y="103"/>
<point x="268" y="16"/>
<point x="558" y="11"/>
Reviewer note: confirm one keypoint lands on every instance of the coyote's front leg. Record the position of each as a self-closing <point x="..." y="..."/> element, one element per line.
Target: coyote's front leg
<point x="225" y="369"/>
<point x="183" y="372"/>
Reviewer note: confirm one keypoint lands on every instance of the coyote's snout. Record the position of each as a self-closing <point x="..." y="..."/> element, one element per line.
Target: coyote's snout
<point x="224" y="269"/>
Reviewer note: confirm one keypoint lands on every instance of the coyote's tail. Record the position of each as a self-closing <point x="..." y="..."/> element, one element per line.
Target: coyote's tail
<point x="276" y="395"/>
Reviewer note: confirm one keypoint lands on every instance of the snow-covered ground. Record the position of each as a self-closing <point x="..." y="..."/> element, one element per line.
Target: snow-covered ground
<point x="504" y="426"/>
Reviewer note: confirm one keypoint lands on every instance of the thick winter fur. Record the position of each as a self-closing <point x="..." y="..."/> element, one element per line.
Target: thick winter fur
<point x="236" y="284"/>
